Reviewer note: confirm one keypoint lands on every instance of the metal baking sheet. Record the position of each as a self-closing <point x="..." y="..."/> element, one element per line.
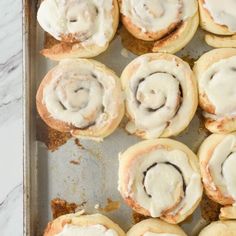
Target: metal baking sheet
<point x="48" y="175"/>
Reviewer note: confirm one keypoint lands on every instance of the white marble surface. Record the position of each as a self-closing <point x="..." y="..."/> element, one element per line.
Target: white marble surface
<point x="11" y="174"/>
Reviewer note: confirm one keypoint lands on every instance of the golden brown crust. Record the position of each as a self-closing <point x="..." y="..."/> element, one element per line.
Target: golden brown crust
<point x="169" y="40"/>
<point x="205" y="154"/>
<point x="220" y="228"/>
<point x="228" y="213"/>
<point x="70" y="48"/>
<point x="91" y="132"/>
<point x="56" y="226"/>
<point x="155" y="226"/>
<point x="221" y="36"/>
<point x="222" y="125"/>
<point x="42" y="110"/>
<point x="131" y="156"/>
<point x="190" y="84"/>
<point x="208" y="23"/>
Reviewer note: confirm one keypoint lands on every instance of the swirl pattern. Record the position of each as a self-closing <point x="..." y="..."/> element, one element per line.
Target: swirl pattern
<point x="219" y="20"/>
<point x="216" y="74"/>
<point x="81" y="96"/>
<point x="161" y="95"/>
<point x="217" y="161"/>
<point x="160" y="178"/>
<point x="84" y="28"/>
<point x="171" y="24"/>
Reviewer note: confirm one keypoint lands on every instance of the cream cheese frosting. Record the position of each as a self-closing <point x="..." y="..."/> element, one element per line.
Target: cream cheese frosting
<point x="218" y="83"/>
<point x="222" y="12"/>
<point x="169" y="182"/>
<point x="154" y="99"/>
<point x="154" y="16"/>
<point x="89" y="21"/>
<point x="82" y="94"/>
<point x="222" y="166"/>
<point x="98" y="230"/>
<point x="158" y="234"/>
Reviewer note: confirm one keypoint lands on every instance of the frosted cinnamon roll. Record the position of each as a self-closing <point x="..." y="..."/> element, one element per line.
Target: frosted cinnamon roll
<point x="84" y="27"/>
<point x="217" y="156"/>
<point x="219" y="18"/>
<point x="161" y="95"/>
<point x="160" y="178"/>
<point x="83" y="97"/>
<point x="216" y="72"/>
<point x="169" y="24"/>
<point x="83" y="225"/>
<point x="220" y="228"/>
<point x="155" y="227"/>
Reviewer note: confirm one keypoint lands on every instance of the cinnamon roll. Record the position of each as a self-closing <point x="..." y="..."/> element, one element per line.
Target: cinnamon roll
<point x="161" y="95"/>
<point x="155" y="227"/>
<point x="170" y="25"/>
<point x="219" y="18"/>
<point x="220" y="228"/>
<point x="215" y="72"/>
<point x="83" y="97"/>
<point x="217" y="156"/>
<point x="160" y="178"/>
<point x="83" y="225"/>
<point x="83" y="28"/>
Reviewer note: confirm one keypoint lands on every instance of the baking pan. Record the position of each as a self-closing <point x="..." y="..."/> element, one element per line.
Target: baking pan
<point x="86" y="172"/>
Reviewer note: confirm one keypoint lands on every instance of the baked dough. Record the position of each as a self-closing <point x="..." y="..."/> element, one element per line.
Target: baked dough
<point x="169" y="25"/>
<point x="83" y="97"/>
<point x="220" y="228"/>
<point x="79" y="28"/>
<point x="161" y="95"/>
<point x="86" y="225"/>
<point x="215" y="72"/>
<point x="217" y="156"/>
<point x="160" y="178"/>
<point x="219" y="20"/>
<point x="155" y="227"/>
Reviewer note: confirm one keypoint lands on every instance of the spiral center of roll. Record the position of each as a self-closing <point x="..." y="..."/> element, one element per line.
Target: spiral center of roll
<point x="164" y="184"/>
<point x="158" y="90"/>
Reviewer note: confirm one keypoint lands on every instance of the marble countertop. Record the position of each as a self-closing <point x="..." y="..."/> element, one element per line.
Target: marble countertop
<point x="11" y="139"/>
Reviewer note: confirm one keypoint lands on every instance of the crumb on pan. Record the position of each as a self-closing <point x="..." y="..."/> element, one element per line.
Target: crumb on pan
<point x="133" y="44"/>
<point x="110" y="206"/>
<point x="189" y="60"/>
<point x="75" y="162"/>
<point x="138" y="217"/>
<point x="53" y="139"/>
<point x="210" y="210"/>
<point x="77" y="142"/>
<point x="61" y="207"/>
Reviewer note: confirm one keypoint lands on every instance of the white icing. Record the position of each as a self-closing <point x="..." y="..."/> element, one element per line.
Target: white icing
<point x="218" y="83"/>
<point x="223" y="12"/>
<point x="159" y="89"/>
<point x="158" y="234"/>
<point x="162" y="188"/>
<point x="98" y="230"/>
<point x="90" y="21"/>
<point x="154" y="16"/>
<point x="222" y="166"/>
<point x="81" y="94"/>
